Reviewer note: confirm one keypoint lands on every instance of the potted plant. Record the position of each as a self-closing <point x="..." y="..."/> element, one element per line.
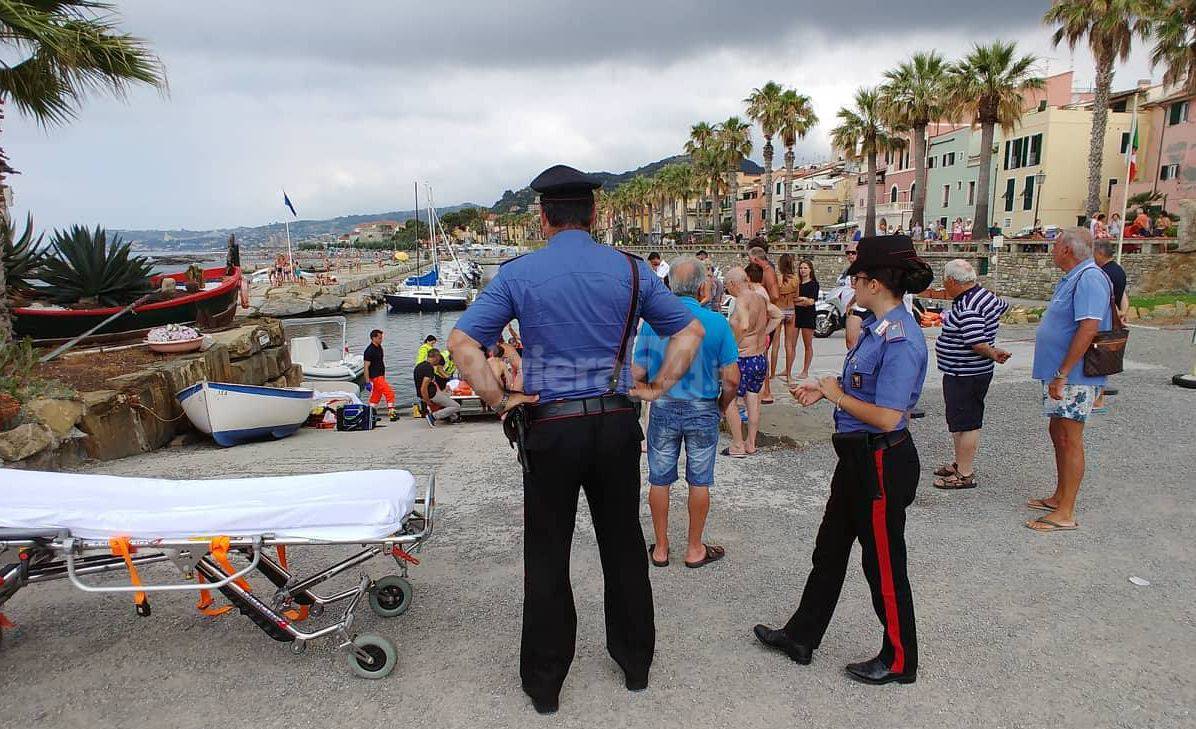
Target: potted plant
<point x="83" y="270"/>
<point x="193" y="278"/>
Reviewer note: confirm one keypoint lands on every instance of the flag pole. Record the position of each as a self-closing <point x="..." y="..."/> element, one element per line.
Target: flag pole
<point x="1129" y="160"/>
<point x="290" y="260"/>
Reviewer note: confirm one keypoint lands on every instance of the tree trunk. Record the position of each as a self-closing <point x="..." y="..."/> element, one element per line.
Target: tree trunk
<point x="5" y="317"/>
<point x="768" y="216"/>
<point x="870" y="215"/>
<point x="734" y="199"/>
<point x="1096" y="143"/>
<point x="685" y="214"/>
<point x="983" y="217"/>
<point x="918" y="203"/>
<point x="788" y="193"/>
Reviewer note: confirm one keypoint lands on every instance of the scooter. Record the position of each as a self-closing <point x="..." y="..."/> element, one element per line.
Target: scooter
<point x="830" y="311"/>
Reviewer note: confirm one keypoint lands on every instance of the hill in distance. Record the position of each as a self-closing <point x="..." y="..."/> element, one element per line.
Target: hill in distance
<point x="610" y="181"/>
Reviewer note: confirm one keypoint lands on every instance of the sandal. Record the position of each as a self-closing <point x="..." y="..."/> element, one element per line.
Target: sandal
<point x="713" y="554"/>
<point x="956" y="481"/>
<point x="1041" y="505"/>
<point x="947" y="469"/>
<point x="651" y="550"/>
<point x="1050" y="526"/>
<point x="728" y="452"/>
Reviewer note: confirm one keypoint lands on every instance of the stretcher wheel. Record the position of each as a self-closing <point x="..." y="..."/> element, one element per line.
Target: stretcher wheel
<point x="390" y="596"/>
<point x="381" y="651"/>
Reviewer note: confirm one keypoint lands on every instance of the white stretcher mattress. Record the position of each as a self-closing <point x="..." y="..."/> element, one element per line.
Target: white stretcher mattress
<point x="342" y="506"/>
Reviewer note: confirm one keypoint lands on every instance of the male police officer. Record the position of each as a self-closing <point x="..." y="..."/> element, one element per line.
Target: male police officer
<point x="577" y="303"/>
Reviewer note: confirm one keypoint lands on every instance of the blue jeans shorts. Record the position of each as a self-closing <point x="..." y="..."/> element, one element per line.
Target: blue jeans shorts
<point x="671" y="422"/>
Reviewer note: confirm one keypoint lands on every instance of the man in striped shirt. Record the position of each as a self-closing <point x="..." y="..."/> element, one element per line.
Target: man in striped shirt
<point x="966" y="355"/>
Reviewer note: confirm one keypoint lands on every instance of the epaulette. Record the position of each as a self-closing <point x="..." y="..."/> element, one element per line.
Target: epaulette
<point x="516" y="258"/>
<point x="895" y="332"/>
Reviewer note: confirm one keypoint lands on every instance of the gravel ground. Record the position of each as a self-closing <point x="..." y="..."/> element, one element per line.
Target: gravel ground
<point x="1016" y="629"/>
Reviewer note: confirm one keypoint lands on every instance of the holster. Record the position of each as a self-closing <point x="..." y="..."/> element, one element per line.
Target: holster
<point x="858" y="450"/>
<point x="514" y="426"/>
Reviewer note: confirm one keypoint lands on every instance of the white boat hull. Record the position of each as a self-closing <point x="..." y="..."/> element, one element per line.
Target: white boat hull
<point x="234" y="414"/>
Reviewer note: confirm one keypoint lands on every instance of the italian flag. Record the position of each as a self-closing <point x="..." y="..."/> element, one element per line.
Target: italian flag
<point x="1133" y="151"/>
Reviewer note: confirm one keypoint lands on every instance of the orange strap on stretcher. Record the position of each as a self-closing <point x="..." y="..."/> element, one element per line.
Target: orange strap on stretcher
<point x="121" y="548"/>
<point x="219" y="549"/>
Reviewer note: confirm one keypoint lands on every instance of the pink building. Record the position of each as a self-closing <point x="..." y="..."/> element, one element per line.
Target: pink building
<point x="749" y="210"/>
<point x="1166" y="152"/>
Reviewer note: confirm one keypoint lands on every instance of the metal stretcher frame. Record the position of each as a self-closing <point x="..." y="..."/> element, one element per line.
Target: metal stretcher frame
<point x="45" y="555"/>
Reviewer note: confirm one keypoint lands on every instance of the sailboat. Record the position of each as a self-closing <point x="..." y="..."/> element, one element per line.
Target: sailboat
<point x="448" y="286"/>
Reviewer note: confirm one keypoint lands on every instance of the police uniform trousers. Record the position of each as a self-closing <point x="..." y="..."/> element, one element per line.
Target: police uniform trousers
<point x="870" y="491"/>
<point x="599" y="454"/>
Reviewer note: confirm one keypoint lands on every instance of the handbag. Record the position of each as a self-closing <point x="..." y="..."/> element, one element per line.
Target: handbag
<point x="1106" y="354"/>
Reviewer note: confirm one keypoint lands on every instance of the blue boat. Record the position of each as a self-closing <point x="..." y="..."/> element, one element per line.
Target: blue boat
<point x="233" y="414"/>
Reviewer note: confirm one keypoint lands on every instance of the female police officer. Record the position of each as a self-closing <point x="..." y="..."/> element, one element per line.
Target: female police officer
<point x="878" y="466"/>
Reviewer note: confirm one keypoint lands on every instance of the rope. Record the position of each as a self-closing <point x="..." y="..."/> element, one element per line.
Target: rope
<point x="159" y="417"/>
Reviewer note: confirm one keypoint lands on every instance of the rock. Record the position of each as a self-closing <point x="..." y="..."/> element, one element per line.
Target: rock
<point x="59" y="416"/>
<point x="24" y="441"/>
<point x="285" y="306"/>
<point x="1164" y="311"/>
<point x="245" y="341"/>
<point x="326" y="303"/>
<point x="10" y="408"/>
<point x="355" y="302"/>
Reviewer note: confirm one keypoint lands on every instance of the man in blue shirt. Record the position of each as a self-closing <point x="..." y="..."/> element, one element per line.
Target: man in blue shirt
<point x="688" y="412"/>
<point x="1080" y="307"/>
<point x="577" y="303"/>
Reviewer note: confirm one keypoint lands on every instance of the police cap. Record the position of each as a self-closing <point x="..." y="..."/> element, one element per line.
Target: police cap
<point x="561" y="182"/>
<point x="893" y="251"/>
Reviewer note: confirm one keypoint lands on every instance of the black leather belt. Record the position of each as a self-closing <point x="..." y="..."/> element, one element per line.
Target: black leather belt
<point x="581" y="408"/>
<point x="882" y="441"/>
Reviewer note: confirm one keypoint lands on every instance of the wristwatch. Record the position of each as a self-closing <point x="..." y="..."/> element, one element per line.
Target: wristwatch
<point x="1059" y="375"/>
<point x="502" y="403"/>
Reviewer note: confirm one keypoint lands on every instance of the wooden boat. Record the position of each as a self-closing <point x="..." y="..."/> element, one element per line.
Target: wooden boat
<point x="318" y="344"/>
<point x="234" y="414"/>
<point x="211" y="308"/>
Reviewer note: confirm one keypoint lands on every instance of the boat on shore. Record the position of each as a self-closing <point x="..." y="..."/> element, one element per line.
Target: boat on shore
<point x="320" y="346"/>
<point x="212" y="307"/>
<point x="233" y="414"/>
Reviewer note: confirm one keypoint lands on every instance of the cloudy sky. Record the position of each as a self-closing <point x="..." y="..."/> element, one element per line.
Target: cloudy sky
<point x="345" y="104"/>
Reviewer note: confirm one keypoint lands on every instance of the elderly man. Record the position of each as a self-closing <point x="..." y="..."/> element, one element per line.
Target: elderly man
<point x="966" y="354"/>
<point x="688" y="413"/>
<point x="751" y="320"/>
<point x="1080" y="307"/>
<point x="758" y="254"/>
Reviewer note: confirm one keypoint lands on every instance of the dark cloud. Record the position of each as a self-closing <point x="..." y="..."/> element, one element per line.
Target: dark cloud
<point x="533" y="33"/>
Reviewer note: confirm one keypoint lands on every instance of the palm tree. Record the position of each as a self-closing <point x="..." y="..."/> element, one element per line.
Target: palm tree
<point x="863" y="134"/>
<point x="55" y="54"/>
<point x="1175" y="42"/>
<point x="796" y="122"/>
<point x="766" y="107"/>
<point x="1110" y="27"/>
<point x="689" y="186"/>
<point x="912" y="98"/>
<point x="988" y="88"/>
<point x="698" y="147"/>
<point x="734" y="144"/>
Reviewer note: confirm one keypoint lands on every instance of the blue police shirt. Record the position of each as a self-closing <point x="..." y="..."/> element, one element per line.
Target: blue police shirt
<point x="887" y="367"/>
<point x="571" y="299"/>
<point x="703" y="380"/>
<point x="1084" y="292"/>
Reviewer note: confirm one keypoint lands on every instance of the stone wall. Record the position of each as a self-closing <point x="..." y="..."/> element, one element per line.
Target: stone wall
<point x="137" y="412"/>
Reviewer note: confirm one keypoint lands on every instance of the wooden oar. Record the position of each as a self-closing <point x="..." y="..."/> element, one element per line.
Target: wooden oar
<point x="94" y="329"/>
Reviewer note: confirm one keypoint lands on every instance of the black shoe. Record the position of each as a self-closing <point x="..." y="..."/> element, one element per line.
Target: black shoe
<point x="780" y="640"/>
<point x="543" y="706"/>
<point x="877" y="673"/>
<point x="636" y="684"/>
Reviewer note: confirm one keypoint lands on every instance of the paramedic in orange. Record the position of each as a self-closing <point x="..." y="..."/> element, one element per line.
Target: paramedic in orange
<point x="376" y="374"/>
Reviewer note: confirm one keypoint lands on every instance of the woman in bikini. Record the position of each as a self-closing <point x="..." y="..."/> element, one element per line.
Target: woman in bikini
<point x="787" y="289"/>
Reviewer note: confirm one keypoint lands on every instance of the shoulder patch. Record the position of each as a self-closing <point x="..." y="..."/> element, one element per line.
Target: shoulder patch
<point x="895" y="332"/>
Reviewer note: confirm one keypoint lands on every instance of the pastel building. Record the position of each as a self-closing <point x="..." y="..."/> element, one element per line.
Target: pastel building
<point x="819" y="194"/>
<point x="952" y="173"/>
<point x="1166" y="152"/>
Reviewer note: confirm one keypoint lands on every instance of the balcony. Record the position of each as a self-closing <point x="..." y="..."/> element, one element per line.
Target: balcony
<point x="894" y="208"/>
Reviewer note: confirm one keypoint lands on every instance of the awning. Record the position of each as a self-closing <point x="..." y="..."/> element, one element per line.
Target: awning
<point x="841" y="226"/>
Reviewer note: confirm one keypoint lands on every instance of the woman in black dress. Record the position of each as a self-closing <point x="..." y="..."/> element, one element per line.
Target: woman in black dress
<point x="807" y="296"/>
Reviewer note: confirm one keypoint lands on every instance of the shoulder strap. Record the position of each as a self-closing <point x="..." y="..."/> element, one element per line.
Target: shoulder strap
<point x="628" y="325"/>
<point x="1112" y="293"/>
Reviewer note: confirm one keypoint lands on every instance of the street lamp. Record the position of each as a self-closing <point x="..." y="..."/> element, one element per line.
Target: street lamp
<point x="1039" y="178"/>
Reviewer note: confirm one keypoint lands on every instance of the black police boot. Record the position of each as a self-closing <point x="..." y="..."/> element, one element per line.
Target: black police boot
<point x="635" y="683"/>
<point x="877" y="673"/>
<point x="780" y="640"/>
<point x="543" y="706"/>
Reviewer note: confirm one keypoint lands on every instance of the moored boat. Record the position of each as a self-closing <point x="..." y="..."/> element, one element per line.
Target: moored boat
<point x="428" y="298"/>
<point x="319" y="346"/>
<point x="212" y="307"/>
<point x="234" y="414"/>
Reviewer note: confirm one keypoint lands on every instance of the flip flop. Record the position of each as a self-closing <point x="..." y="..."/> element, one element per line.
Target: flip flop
<point x="713" y="554"/>
<point x="665" y="563"/>
<point x="727" y="452"/>
<point x="1040" y="504"/>
<point x="1053" y="526"/>
<point x="769" y="401"/>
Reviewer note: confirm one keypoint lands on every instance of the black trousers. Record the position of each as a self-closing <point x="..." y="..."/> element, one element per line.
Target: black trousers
<point x="869" y="494"/>
<point x="600" y="454"/>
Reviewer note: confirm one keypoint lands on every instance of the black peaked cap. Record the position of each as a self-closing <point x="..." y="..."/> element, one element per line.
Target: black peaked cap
<point x="563" y="181"/>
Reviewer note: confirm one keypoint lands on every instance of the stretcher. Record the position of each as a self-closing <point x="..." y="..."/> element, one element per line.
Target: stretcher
<point x="217" y="534"/>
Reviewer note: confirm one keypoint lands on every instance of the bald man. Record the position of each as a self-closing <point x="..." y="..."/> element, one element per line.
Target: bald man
<point x="752" y="319"/>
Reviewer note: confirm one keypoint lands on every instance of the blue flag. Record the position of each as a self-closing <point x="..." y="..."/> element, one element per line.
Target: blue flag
<point x="287" y="201"/>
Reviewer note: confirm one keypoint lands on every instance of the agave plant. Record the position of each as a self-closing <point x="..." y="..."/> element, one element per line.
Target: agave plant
<point x="85" y="269"/>
<point x="21" y="258"/>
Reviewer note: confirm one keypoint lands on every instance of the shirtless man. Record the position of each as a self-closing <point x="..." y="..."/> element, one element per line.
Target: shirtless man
<point x="758" y="255"/>
<point x="751" y="320"/>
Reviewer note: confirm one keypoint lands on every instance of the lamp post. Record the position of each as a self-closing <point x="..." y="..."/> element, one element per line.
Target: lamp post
<point x="1039" y="179"/>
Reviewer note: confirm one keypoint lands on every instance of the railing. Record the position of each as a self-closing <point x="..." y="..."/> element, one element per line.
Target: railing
<point x="933" y="248"/>
<point x="894" y="207"/>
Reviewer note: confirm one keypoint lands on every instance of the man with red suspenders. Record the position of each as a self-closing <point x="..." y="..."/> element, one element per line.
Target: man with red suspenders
<point x="878" y="468"/>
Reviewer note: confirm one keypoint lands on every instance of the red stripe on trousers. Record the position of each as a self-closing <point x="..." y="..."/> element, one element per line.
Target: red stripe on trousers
<point x="880" y="534"/>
